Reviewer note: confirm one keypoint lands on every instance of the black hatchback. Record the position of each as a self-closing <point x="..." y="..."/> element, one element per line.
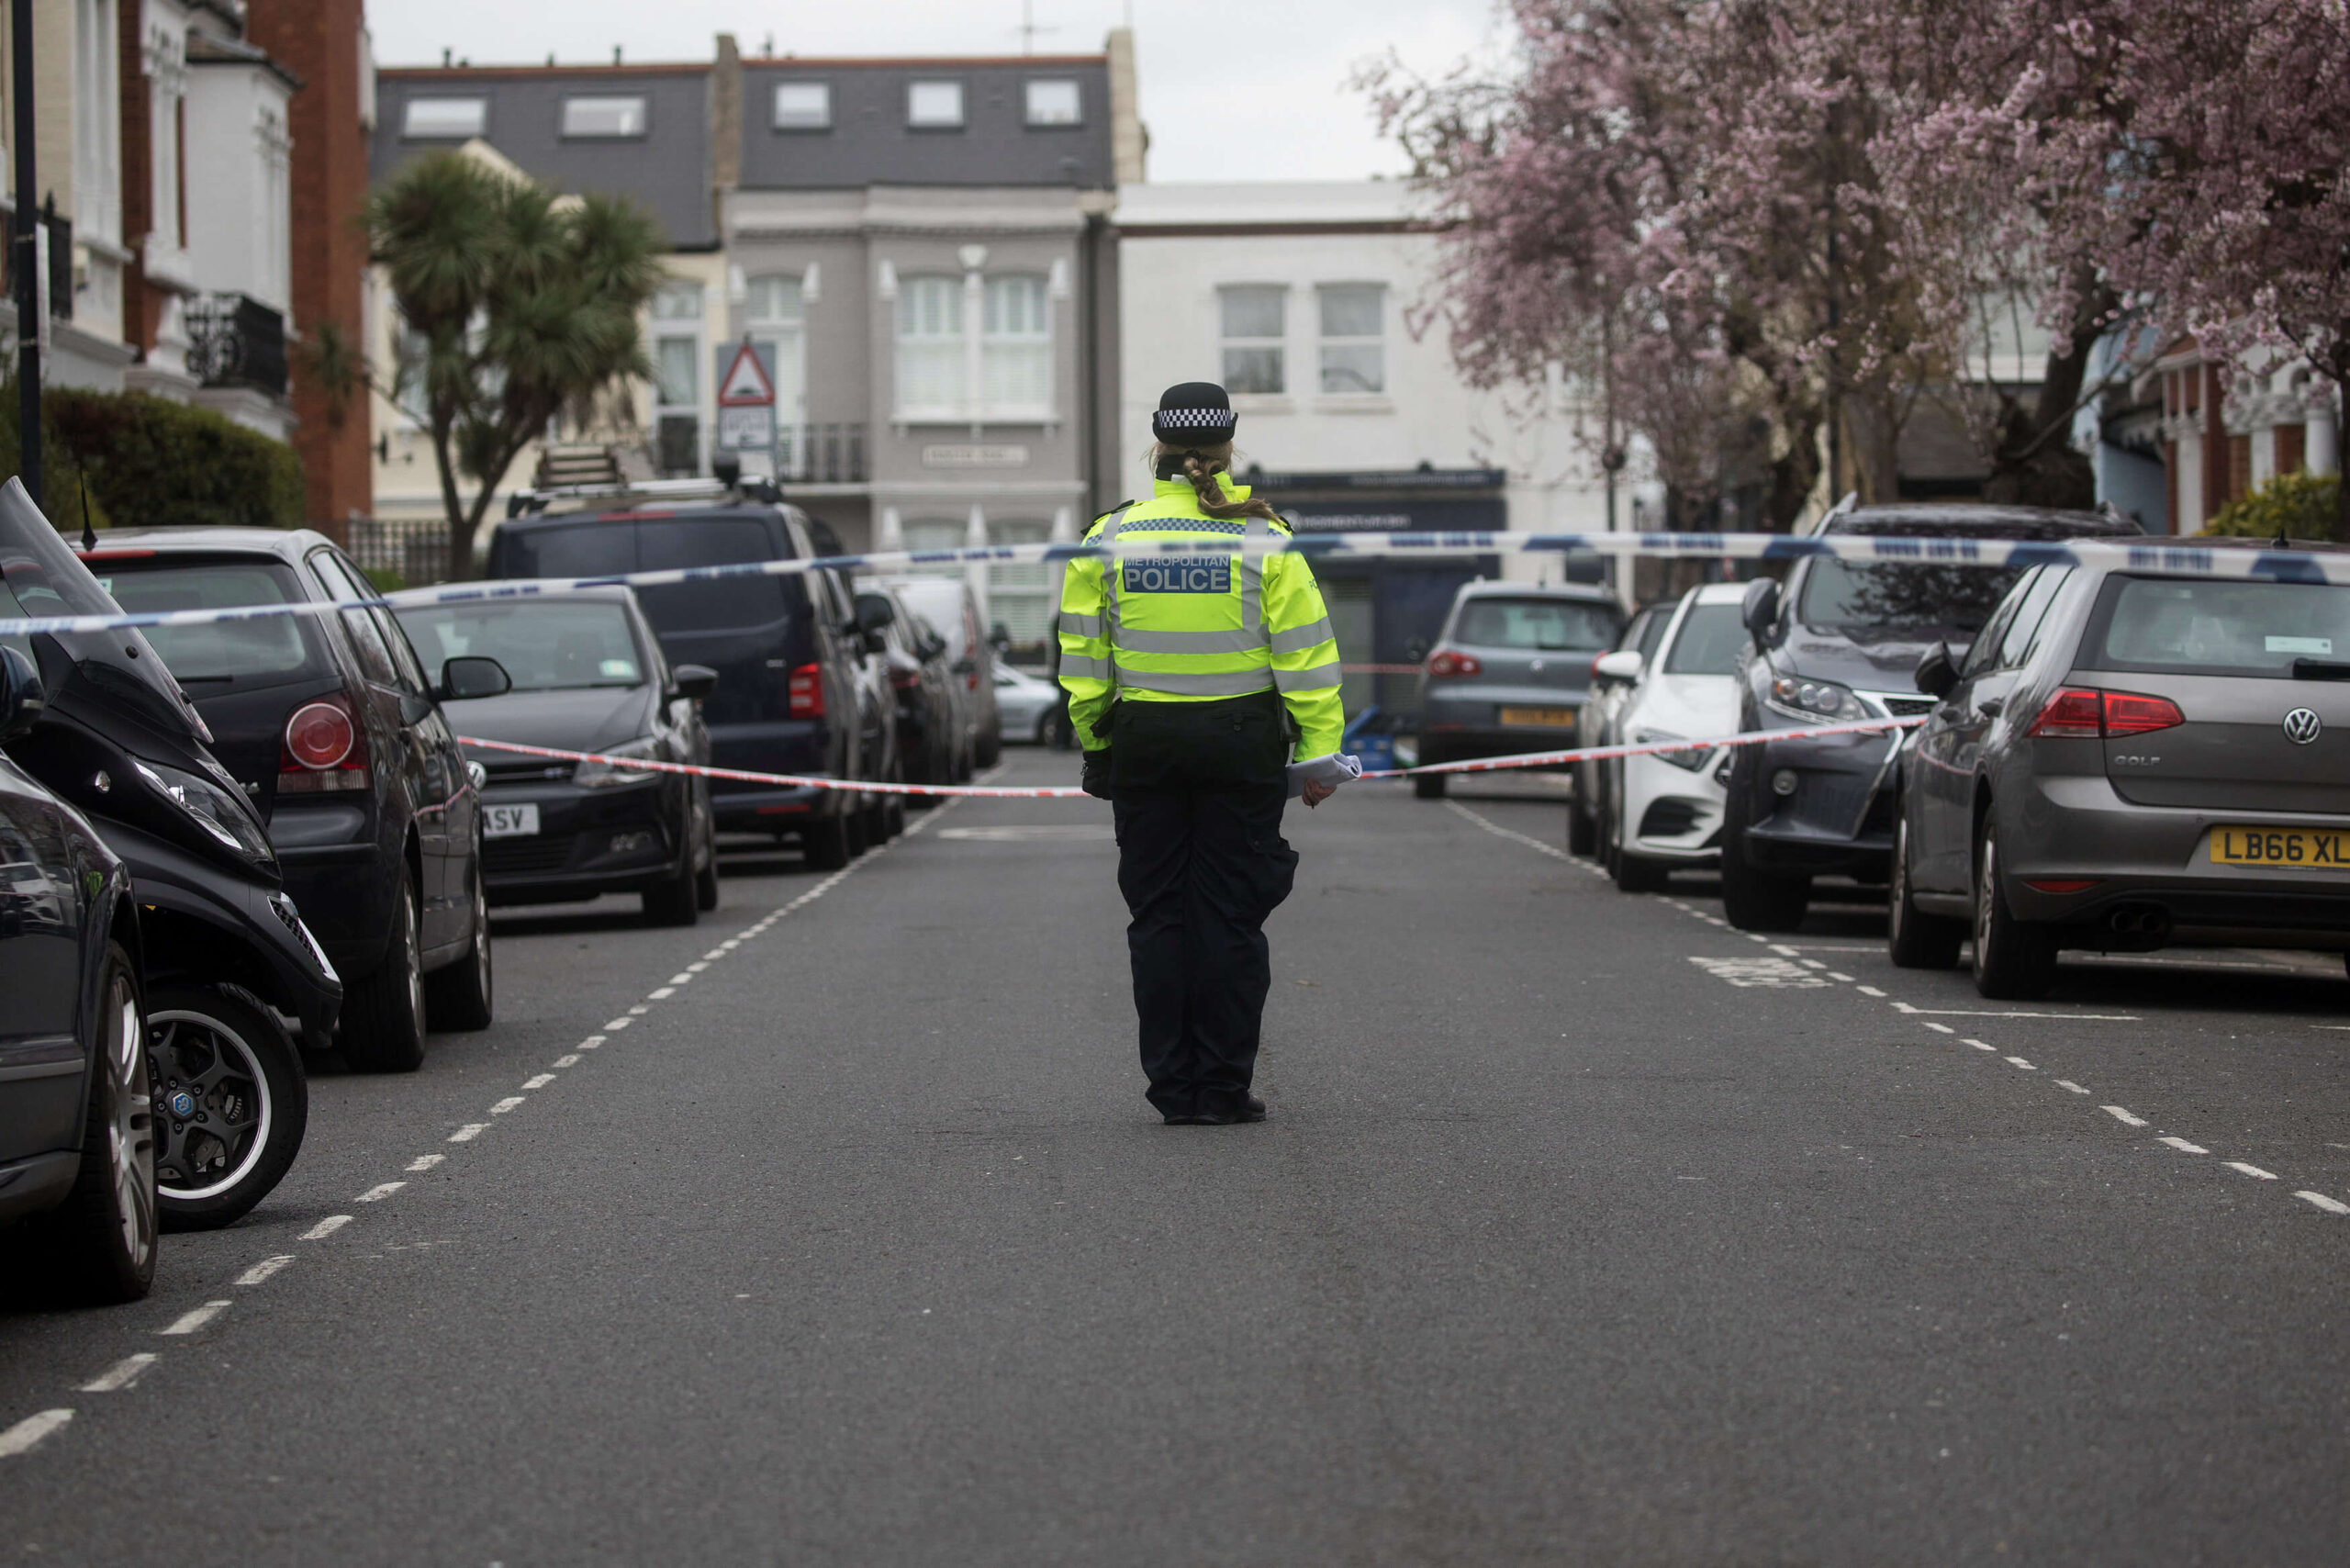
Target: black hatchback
<point x="784" y="648"/>
<point x="334" y="729"/>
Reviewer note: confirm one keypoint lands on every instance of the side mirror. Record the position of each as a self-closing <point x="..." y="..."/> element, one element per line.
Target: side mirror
<point x="1416" y="649"/>
<point x="1624" y="665"/>
<point x="1759" y="608"/>
<point x="469" y="677"/>
<point x="873" y="643"/>
<point x="693" y="681"/>
<point x="874" y="612"/>
<point x="22" y="700"/>
<point x="1937" y="672"/>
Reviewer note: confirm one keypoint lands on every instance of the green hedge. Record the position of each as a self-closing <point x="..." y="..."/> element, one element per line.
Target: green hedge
<point x="151" y="462"/>
<point x="2290" y="506"/>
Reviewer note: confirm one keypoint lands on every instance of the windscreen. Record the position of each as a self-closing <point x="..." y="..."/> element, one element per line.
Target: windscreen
<point x="727" y="604"/>
<point x="1535" y="625"/>
<point x="2218" y="628"/>
<point x="580" y="550"/>
<point x="227" y="653"/>
<point x="1898" y="601"/>
<point x="1711" y="636"/>
<point x="548" y="645"/>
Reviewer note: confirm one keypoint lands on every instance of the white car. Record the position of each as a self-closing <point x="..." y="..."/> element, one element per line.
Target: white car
<point x="1664" y="810"/>
<point x="1030" y="706"/>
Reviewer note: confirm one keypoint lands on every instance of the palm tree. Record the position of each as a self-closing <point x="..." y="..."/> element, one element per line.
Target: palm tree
<point x="517" y="305"/>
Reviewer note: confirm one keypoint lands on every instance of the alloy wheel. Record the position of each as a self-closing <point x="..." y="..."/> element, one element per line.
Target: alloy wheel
<point x="130" y="1124"/>
<point x="212" y="1106"/>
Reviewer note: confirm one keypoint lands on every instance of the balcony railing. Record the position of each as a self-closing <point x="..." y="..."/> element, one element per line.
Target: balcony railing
<point x="821" y="454"/>
<point x="236" y="341"/>
<point x="413" y="550"/>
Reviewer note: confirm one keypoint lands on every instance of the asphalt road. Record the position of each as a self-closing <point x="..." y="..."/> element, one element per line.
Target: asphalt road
<point x="1584" y="1229"/>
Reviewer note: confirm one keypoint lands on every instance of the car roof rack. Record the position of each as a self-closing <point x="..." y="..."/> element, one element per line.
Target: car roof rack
<point x="617" y="493"/>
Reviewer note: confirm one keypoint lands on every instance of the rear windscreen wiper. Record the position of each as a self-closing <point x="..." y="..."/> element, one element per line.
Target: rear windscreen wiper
<point x="2320" y="669"/>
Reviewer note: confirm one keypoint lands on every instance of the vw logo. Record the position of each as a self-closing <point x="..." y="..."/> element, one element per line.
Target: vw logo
<point x="2303" y="726"/>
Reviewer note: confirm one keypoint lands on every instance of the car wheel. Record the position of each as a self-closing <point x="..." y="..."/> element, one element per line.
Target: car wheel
<point x="825" y="844"/>
<point x="1914" y="939"/>
<point x="706" y="884"/>
<point x="103" y="1236"/>
<point x="853" y="823"/>
<point x="463" y="997"/>
<point x="1582" y="830"/>
<point x="231" y="1103"/>
<point x="1429" y="785"/>
<point x="675" y="900"/>
<point x="383" y="1013"/>
<point x="2014" y="960"/>
<point x="1753" y="898"/>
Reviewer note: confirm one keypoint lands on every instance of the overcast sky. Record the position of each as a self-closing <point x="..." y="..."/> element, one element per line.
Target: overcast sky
<point x="1231" y="89"/>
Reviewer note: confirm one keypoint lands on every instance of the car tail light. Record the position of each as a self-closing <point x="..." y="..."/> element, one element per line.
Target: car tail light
<point x="323" y="752"/>
<point x="807" y="692"/>
<point x="2066" y="885"/>
<point x="2080" y="713"/>
<point x="906" y="679"/>
<point x="1446" y="665"/>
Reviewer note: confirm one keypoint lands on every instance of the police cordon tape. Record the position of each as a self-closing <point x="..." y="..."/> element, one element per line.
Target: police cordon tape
<point x="2160" y="559"/>
<point x="1065" y="792"/>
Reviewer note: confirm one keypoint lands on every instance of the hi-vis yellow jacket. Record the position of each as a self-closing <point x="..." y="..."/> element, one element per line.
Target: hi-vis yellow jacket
<point x="1195" y="627"/>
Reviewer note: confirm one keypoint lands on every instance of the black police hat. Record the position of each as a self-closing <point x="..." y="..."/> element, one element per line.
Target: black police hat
<point x="1196" y="413"/>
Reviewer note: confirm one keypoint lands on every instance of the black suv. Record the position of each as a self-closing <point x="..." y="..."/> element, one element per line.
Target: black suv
<point x="333" y="727"/>
<point x="1840" y="641"/>
<point x="785" y="648"/>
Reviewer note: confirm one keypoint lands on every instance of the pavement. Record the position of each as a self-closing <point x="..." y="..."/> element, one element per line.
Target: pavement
<point x="1584" y="1229"/>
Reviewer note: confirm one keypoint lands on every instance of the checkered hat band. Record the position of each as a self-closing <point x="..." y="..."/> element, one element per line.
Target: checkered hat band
<point x="1193" y="419"/>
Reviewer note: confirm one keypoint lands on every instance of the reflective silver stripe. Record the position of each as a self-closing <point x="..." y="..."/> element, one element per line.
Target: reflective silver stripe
<point x="1252" y="580"/>
<point x="1228" y="642"/>
<point x="1086" y="625"/>
<point x="1309" y="679"/>
<point x="1219" y="683"/>
<point x="1297" y="639"/>
<point x="1084" y="669"/>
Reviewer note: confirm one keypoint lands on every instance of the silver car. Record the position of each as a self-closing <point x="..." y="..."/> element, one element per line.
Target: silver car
<point x="1510" y="672"/>
<point x="1612" y="680"/>
<point x="1030" y="706"/>
<point x="2125" y="762"/>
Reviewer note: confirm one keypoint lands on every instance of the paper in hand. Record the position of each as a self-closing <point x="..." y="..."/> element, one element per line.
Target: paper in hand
<point x="1334" y="769"/>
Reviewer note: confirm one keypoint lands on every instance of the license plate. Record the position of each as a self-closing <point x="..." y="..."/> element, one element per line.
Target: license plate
<point x="2293" y="849"/>
<point x="510" y="822"/>
<point x="1554" y="718"/>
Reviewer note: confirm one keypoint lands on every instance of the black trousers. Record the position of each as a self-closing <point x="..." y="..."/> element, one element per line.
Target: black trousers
<point x="1197" y="792"/>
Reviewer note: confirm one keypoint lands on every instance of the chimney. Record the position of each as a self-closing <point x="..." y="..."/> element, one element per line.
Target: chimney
<point x="1129" y="139"/>
<point x="725" y="129"/>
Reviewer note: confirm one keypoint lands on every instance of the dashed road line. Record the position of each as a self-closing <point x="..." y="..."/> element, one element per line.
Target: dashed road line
<point x="121" y="1375"/>
<point x="539" y="1082"/>
<point x="2126" y="1118"/>
<point x="380" y="1190"/>
<point x="2066" y="1083"/>
<point x="193" y="1321"/>
<point x="469" y="1132"/>
<point x="506" y="1104"/>
<point x="21" y="1438"/>
<point x="326" y="1227"/>
<point x="2330" y="1205"/>
<point x="2181" y="1144"/>
<point x="264" y="1269"/>
<point x="2252" y="1171"/>
<point x="426" y="1161"/>
<point x="2018" y="1061"/>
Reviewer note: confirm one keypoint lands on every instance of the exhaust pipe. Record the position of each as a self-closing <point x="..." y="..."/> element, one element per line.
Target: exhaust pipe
<point x="2140" y="923"/>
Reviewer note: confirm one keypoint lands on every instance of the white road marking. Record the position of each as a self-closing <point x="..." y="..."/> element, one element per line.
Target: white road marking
<point x="1939" y="1028"/>
<point x="189" y="1322"/>
<point x="1872" y="990"/>
<point x="2251" y="1169"/>
<point x="539" y="1082"/>
<point x="1551" y="850"/>
<point x="2068" y="1084"/>
<point x="1981" y="1013"/>
<point x="121" y="1375"/>
<point x="2330" y="1205"/>
<point x="21" y="1438"/>
<point x="685" y="978"/>
<point x="1784" y="950"/>
<point x="2181" y="1144"/>
<point x="380" y="1190"/>
<point x="730" y="944"/>
<point x="264" y="1269"/>
<point x="426" y="1161"/>
<point x="2124" y="1117"/>
<point x="619" y="1024"/>
<point x="506" y="1104"/>
<point x="2018" y="1061"/>
<point x="326" y="1227"/>
<point x="639" y="1011"/>
<point x="567" y="1060"/>
<point x="1843" y="979"/>
<point x="1983" y="1045"/>
<point x="1811" y="963"/>
<point x="697" y="968"/>
<point x="591" y="1042"/>
<point x="661" y="993"/>
<point x="1773" y="973"/>
<point x="469" y="1132"/>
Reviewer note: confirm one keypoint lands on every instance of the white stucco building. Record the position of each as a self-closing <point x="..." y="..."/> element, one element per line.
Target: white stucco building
<point x="1312" y="304"/>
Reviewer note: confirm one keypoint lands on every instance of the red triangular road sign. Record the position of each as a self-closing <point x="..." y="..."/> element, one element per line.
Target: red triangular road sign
<point x="746" y="385"/>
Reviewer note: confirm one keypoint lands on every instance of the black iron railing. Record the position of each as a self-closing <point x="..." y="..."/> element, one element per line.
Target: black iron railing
<point x="236" y="341"/>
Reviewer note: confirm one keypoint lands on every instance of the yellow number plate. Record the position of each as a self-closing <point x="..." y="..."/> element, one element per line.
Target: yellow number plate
<point x="2299" y="849"/>
<point x="1557" y="718"/>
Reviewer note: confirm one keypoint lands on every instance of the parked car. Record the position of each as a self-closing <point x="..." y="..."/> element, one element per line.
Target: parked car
<point x="1030" y="706"/>
<point x="332" y="729"/>
<point x="1664" y="810"/>
<point x="883" y="814"/>
<point x="785" y="648"/>
<point x="1611" y="683"/>
<point x="930" y="741"/>
<point x="2125" y="762"/>
<point x="586" y="675"/>
<point x="1840" y="641"/>
<point x="952" y="611"/>
<point x="77" y="1114"/>
<point x="1509" y="672"/>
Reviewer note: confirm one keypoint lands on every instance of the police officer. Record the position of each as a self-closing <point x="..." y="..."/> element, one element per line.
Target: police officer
<point x="1188" y="674"/>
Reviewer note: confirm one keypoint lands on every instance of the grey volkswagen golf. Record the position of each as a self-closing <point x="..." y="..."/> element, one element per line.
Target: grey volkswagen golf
<point x="2123" y="762"/>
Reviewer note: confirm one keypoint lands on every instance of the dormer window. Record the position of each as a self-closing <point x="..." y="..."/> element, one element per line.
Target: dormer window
<point x="934" y="105"/>
<point x="1053" y="100"/>
<point x="604" y="118"/>
<point x="803" y="106"/>
<point x="445" y="119"/>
